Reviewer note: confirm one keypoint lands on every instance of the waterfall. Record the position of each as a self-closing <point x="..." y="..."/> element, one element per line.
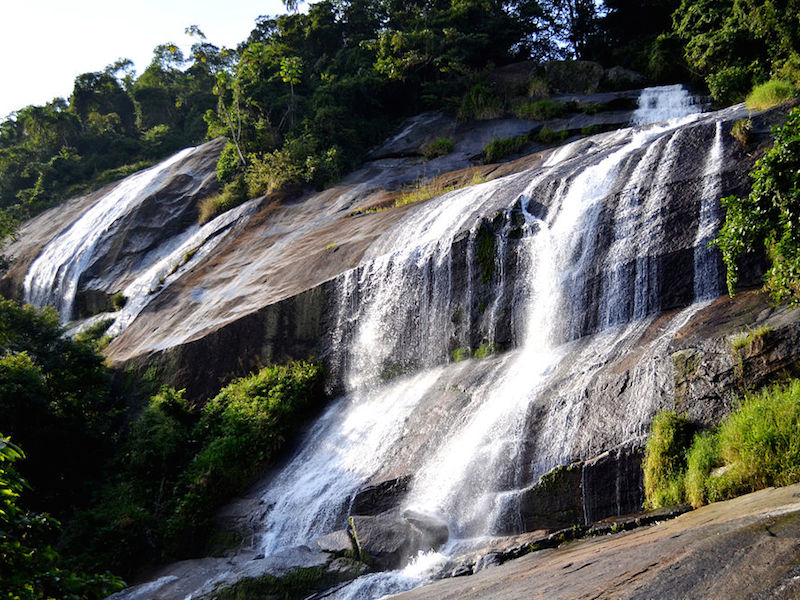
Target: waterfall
<point x="396" y="315"/>
<point x="53" y="277"/>
<point x="562" y="266"/>
<point x="707" y="260"/>
<point x="662" y="103"/>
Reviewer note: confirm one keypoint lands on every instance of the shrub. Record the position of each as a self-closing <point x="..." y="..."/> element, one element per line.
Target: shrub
<point x="766" y="219"/>
<point x="438" y="147"/>
<point x="549" y="137"/>
<point x="502" y="147"/>
<point x="702" y="458"/>
<point x="538" y="88"/>
<point x="741" y="130"/>
<point x="541" y="110"/>
<point x="228" y="164"/>
<point x="665" y="460"/>
<point x="460" y="354"/>
<point x="481" y="103"/>
<point x="118" y="301"/>
<point x="756" y="446"/>
<point x="769" y="94"/>
<point x="239" y="431"/>
<point x="730" y="84"/>
<point x="231" y="196"/>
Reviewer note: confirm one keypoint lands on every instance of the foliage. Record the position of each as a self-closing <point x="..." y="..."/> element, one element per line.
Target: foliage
<point x="769" y="217"/>
<point x="30" y="569"/>
<point x="238" y="432"/>
<point x="480" y="103"/>
<point x="742" y="129"/>
<point x="549" y="137"/>
<point x="769" y="94"/>
<point x="756" y="446"/>
<point x="735" y="44"/>
<point x="502" y="147"/>
<point x="541" y="110"/>
<point x="53" y="395"/>
<point x="460" y="354"/>
<point x="438" y="147"/>
<point x="425" y="190"/>
<point x="232" y="195"/>
<point x="665" y="460"/>
<point x="179" y="463"/>
<point x="747" y="338"/>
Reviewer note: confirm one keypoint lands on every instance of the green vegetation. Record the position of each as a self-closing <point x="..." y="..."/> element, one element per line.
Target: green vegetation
<point x="769" y="94"/>
<point x="502" y="147"/>
<point x="155" y="475"/>
<point x="665" y="460"/>
<point x="767" y="219"/>
<point x="742" y="129"/>
<point x="541" y="110"/>
<point x="438" y="147"/>
<point x="549" y="137"/>
<point x="425" y="190"/>
<point x="747" y="338"/>
<point x="30" y="568"/>
<point x="460" y="354"/>
<point x="756" y="446"/>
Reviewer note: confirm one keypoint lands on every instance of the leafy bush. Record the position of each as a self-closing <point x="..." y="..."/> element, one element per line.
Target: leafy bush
<point x="438" y="147"/>
<point x="730" y="84"/>
<point x="502" y="147"/>
<point x="541" y="110"/>
<point x="232" y="195"/>
<point x="480" y="103"/>
<point x="756" y="446"/>
<point x="665" y="460"/>
<point x="239" y="431"/>
<point x="767" y="219"/>
<point x="741" y="130"/>
<point x="30" y="568"/>
<point x="769" y="94"/>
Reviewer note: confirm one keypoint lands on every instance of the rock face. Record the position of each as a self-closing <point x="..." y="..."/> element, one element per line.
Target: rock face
<point x="742" y="548"/>
<point x="578" y="284"/>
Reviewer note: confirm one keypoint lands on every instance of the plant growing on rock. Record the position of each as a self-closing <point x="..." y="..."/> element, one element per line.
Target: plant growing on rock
<point x="768" y="219"/>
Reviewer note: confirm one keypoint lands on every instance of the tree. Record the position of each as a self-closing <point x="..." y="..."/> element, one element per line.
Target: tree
<point x="29" y="566"/>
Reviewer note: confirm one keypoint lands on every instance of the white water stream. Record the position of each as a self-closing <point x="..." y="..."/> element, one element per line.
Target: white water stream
<point x="402" y="297"/>
<point x="413" y="299"/>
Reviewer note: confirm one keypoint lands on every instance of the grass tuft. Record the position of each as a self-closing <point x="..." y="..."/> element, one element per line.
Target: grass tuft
<point x="769" y="94"/>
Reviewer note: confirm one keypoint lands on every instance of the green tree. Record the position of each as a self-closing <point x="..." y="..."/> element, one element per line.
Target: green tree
<point x="30" y="569"/>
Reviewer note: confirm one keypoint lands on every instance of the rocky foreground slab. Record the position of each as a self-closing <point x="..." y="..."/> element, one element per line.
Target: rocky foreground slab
<point x="748" y="547"/>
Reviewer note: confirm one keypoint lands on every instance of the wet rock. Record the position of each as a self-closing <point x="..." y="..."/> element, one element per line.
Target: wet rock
<point x="378" y="498"/>
<point x="348" y="567"/>
<point x="336" y="542"/>
<point x="611" y="484"/>
<point x="388" y="540"/>
<point x="555" y="501"/>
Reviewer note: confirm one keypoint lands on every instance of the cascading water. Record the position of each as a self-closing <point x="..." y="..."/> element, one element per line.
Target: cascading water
<point x="706" y="260"/>
<point x="662" y="103"/>
<point x="53" y="277"/>
<point x="401" y="309"/>
<point x="561" y="265"/>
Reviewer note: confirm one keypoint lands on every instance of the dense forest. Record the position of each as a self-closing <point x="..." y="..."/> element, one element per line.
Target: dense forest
<point x="300" y="102"/>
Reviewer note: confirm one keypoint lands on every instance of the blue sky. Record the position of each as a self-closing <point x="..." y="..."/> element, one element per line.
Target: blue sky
<point x="45" y="44"/>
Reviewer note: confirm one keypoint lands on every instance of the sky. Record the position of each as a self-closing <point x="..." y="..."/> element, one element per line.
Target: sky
<point x="45" y="44"/>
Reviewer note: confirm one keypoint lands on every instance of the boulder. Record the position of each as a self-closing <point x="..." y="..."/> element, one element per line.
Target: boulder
<point x="388" y="540"/>
<point x="555" y="501"/>
<point x="573" y="76"/>
<point x="336" y="542"/>
<point x="620" y="78"/>
<point x="375" y="499"/>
